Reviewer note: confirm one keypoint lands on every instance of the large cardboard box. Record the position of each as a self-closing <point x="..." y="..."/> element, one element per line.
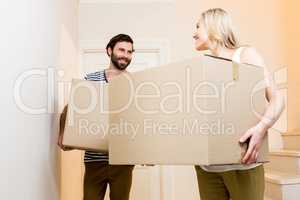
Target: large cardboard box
<point x="87" y="116"/>
<point x="191" y="112"/>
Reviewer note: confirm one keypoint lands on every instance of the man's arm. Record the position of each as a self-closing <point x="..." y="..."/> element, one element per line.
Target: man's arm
<point x="62" y="123"/>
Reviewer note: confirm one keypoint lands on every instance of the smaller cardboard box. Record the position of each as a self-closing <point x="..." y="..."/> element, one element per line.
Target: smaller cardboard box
<point x="87" y="116"/>
<point x="186" y="113"/>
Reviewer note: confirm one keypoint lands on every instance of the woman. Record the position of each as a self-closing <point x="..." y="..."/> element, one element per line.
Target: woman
<point x="245" y="181"/>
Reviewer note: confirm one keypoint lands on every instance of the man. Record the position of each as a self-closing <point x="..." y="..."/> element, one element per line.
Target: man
<point x="98" y="173"/>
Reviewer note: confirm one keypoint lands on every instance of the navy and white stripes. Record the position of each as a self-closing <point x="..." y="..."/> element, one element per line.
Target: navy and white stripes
<point x="96" y="76"/>
<point x="91" y="156"/>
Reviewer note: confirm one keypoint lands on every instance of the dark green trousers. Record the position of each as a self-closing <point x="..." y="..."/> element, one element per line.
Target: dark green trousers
<point x="100" y="174"/>
<point x="235" y="184"/>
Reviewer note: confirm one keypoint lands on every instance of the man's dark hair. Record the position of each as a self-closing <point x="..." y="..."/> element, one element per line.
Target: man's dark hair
<point x="118" y="38"/>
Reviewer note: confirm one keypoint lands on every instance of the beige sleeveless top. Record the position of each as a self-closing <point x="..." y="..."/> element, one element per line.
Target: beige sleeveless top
<point x="223" y="168"/>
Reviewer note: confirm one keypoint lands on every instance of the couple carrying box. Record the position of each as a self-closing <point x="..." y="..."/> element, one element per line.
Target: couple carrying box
<point x="246" y="181"/>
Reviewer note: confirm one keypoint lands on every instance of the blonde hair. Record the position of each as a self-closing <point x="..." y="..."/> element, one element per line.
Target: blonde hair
<point x="219" y="28"/>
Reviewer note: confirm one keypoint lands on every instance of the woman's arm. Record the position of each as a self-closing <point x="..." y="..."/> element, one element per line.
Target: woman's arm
<point x="273" y="111"/>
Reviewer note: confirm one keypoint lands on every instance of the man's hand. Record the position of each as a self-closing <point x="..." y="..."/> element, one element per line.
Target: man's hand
<point x="256" y="135"/>
<point x="60" y="144"/>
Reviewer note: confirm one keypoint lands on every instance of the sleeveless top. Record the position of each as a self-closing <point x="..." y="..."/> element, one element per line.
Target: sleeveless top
<point x="223" y="168"/>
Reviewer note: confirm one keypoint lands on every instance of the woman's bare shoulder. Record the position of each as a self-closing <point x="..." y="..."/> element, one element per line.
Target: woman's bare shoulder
<point x="251" y="56"/>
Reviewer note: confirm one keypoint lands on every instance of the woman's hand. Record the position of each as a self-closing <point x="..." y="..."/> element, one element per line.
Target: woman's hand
<point x="255" y="135"/>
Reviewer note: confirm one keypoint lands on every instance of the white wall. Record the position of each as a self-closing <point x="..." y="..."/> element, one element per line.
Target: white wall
<point x="291" y="18"/>
<point x="29" y="38"/>
<point x="258" y="23"/>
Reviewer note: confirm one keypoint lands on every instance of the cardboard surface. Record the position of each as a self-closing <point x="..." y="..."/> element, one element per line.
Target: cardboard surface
<point x="191" y="112"/>
<point x="87" y="117"/>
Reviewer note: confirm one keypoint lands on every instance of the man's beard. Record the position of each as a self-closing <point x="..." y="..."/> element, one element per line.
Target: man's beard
<point x="120" y="66"/>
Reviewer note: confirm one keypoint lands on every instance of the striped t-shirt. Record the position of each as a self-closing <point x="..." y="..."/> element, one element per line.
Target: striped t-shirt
<point x="91" y="156"/>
